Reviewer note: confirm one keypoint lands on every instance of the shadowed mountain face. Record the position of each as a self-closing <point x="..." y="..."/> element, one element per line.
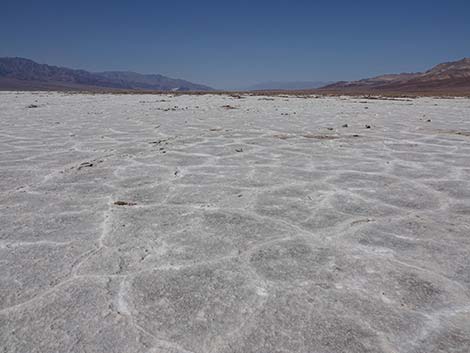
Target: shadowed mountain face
<point x="19" y="73"/>
<point x="446" y="76"/>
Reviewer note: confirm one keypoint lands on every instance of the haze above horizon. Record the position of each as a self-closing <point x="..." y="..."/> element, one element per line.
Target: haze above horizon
<point x="238" y="44"/>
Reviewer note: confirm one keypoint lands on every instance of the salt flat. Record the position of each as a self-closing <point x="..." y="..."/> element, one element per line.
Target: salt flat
<point x="159" y="223"/>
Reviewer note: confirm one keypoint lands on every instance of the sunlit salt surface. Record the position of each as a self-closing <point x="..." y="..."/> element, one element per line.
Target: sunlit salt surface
<point x="171" y="224"/>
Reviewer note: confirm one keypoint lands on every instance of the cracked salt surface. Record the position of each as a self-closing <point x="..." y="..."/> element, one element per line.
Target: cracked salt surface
<point x="168" y="223"/>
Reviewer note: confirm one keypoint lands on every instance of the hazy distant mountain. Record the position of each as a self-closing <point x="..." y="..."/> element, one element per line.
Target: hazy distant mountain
<point x="152" y="82"/>
<point x="452" y="76"/>
<point x="20" y="73"/>
<point x="285" y="86"/>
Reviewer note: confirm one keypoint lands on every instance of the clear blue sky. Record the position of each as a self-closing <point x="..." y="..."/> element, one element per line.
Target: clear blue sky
<point x="229" y="44"/>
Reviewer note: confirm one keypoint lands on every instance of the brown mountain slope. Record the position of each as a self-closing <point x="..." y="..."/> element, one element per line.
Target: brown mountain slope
<point x="451" y="76"/>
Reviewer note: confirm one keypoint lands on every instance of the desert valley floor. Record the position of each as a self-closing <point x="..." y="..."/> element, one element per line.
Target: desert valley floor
<point x="218" y="224"/>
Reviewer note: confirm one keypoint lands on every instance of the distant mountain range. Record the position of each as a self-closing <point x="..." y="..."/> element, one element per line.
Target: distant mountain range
<point x="451" y="76"/>
<point x="285" y="86"/>
<point x="25" y="74"/>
